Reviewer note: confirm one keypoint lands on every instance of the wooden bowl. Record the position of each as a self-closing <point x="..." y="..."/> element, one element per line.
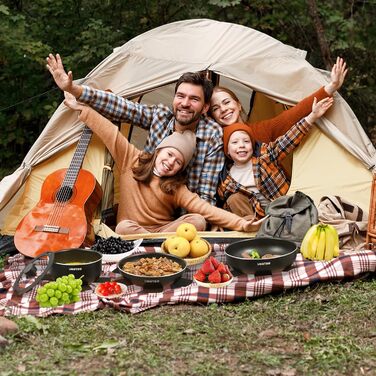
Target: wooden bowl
<point x="190" y="260"/>
<point x="213" y="285"/>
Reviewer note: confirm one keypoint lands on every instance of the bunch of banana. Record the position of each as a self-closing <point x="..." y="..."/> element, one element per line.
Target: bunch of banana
<point x="320" y="243"/>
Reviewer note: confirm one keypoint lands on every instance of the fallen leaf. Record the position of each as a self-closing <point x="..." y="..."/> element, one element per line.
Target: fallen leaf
<point x="21" y="368"/>
<point x="289" y="372"/>
<point x="306" y="336"/>
<point x="189" y="331"/>
<point x="268" y="333"/>
<point x="107" y="345"/>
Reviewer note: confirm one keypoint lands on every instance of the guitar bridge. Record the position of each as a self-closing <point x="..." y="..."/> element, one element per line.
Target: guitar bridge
<point x="53" y="229"/>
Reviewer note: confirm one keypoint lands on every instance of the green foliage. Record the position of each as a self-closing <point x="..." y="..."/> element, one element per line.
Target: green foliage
<point x="85" y="32"/>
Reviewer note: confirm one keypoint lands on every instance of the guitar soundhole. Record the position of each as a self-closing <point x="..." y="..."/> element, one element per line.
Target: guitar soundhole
<point x="64" y="194"/>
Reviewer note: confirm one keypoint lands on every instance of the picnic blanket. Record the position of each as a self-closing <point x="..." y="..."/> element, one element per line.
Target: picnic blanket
<point x="136" y="299"/>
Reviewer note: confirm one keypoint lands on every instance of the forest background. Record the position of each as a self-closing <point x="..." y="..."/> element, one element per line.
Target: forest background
<point x="84" y="32"/>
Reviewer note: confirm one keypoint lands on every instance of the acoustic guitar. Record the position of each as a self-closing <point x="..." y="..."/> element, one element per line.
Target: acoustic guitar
<point x="62" y="217"/>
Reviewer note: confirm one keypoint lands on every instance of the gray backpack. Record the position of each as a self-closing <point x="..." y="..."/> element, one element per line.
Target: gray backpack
<point x="289" y="218"/>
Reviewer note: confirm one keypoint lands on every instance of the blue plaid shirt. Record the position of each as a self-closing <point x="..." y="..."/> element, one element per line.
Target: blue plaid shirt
<point x="208" y="161"/>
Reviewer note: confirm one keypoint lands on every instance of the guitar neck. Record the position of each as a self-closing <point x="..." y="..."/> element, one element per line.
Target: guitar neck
<point x="78" y="158"/>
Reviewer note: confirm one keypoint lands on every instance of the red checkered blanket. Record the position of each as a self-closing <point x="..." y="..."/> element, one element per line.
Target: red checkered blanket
<point x="302" y="273"/>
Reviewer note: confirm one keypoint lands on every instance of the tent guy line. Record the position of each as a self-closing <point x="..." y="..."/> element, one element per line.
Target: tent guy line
<point x="81" y="81"/>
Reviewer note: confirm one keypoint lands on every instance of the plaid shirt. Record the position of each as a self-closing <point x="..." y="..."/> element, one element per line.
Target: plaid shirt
<point x="270" y="178"/>
<point x="208" y="161"/>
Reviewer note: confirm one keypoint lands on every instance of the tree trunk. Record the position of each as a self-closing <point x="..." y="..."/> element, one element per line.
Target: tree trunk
<point x="320" y="33"/>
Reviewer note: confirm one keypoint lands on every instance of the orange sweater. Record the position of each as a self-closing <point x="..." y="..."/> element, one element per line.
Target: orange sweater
<point x="270" y="129"/>
<point x="143" y="203"/>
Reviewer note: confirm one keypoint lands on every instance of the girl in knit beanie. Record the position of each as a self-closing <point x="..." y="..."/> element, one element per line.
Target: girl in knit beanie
<point x="152" y="186"/>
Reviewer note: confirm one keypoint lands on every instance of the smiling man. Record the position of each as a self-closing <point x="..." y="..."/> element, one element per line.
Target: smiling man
<point x="189" y="107"/>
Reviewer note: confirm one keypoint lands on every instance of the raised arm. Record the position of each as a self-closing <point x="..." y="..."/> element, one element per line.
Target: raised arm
<point x="285" y="144"/>
<point x="337" y="76"/>
<point x="270" y="129"/>
<point x="62" y="79"/>
<point x="318" y="109"/>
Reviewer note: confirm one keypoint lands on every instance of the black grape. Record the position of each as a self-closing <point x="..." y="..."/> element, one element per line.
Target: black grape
<point x="112" y="245"/>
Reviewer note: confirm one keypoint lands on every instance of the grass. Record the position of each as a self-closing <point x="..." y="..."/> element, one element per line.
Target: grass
<point x="327" y="329"/>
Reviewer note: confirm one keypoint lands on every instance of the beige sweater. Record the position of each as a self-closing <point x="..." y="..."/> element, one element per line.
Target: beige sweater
<point x="143" y="203"/>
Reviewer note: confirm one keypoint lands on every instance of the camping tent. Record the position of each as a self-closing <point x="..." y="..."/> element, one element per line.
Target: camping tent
<point x="338" y="158"/>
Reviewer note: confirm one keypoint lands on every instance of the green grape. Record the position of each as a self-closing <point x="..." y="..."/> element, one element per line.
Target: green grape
<point x="64" y="290"/>
<point x="65" y="297"/>
<point x="72" y="283"/>
<point x="65" y="279"/>
<point x="53" y="285"/>
<point x="42" y="290"/>
<point x="43" y="298"/>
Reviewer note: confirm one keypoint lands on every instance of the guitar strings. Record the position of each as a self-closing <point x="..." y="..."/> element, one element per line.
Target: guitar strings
<point x="70" y="179"/>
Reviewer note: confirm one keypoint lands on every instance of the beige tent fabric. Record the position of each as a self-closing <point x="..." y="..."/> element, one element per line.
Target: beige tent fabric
<point x="321" y="167"/>
<point x="244" y="58"/>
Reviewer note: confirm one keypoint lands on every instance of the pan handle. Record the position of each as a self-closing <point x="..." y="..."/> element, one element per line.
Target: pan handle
<point x="116" y="270"/>
<point x="30" y="270"/>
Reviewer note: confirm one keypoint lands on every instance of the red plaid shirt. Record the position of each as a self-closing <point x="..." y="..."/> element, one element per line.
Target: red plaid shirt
<point x="270" y="177"/>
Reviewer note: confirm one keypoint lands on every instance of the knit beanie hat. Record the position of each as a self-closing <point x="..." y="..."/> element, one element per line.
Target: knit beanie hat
<point x="184" y="142"/>
<point x="230" y="129"/>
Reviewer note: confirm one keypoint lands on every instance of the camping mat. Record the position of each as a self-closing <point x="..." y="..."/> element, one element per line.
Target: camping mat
<point x="136" y="299"/>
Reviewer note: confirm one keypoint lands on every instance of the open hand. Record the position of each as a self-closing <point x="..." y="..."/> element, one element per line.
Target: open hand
<point x="71" y="102"/>
<point x="319" y="109"/>
<point x="55" y="66"/>
<point x="337" y="76"/>
<point x="252" y="225"/>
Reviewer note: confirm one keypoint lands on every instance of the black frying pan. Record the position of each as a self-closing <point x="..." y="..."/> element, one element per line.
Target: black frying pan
<point x="148" y="280"/>
<point x="284" y="250"/>
<point x="82" y="263"/>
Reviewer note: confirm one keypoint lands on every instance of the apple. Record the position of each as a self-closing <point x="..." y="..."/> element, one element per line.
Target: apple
<point x="199" y="247"/>
<point x="186" y="231"/>
<point x="168" y="241"/>
<point x="179" y="247"/>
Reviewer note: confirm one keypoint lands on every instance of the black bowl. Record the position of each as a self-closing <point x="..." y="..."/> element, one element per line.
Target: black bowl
<point x="286" y="251"/>
<point x="80" y="262"/>
<point x="151" y="281"/>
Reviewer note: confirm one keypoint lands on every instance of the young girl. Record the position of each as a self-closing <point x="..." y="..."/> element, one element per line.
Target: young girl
<point x="152" y="185"/>
<point x="254" y="173"/>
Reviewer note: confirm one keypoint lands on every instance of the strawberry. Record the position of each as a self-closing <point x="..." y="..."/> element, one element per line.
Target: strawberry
<point x="207" y="267"/>
<point x="221" y="268"/>
<point x="214" y="261"/>
<point x="228" y="271"/>
<point x="225" y="277"/>
<point x="215" y="277"/>
<point x="200" y="276"/>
